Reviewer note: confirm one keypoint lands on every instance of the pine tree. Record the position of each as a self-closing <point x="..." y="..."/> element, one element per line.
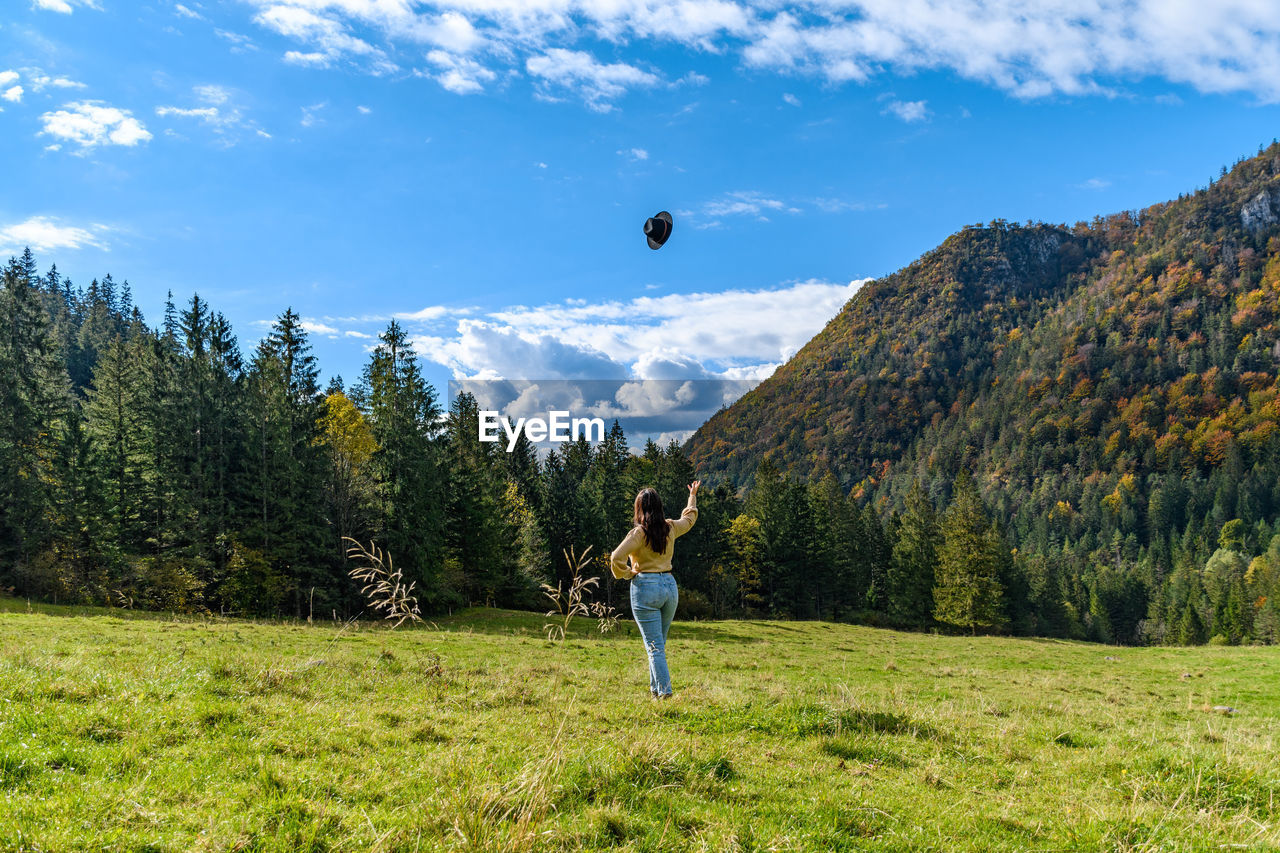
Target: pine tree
<point x="34" y="403"/>
<point x="910" y="577"/>
<point x="287" y="472"/>
<point x="404" y="413"/>
<point x="116" y="422"/>
<point x="967" y="591"/>
<point x="474" y="531"/>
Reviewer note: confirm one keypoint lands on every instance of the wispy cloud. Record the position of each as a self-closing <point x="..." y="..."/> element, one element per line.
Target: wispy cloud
<point x="39" y="80"/>
<point x="746" y="203"/>
<point x="311" y="115"/>
<point x="240" y="43"/>
<point x="216" y="110"/>
<point x="64" y="7"/>
<point x="908" y="111"/>
<point x="44" y="233"/>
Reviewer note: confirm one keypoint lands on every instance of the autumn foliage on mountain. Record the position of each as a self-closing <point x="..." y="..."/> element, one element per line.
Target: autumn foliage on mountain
<point x="1111" y="386"/>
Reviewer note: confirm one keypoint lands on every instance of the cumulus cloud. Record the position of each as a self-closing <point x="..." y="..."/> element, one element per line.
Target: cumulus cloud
<point x="93" y="123"/>
<point x="690" y="336"/>
<point x="330" y="36"/>
<point x="661" y="364"/>
<point x="1027" y="49"/>
<point x="598" y="84"/>
<point x="43" y="233"/>
<point x="908" y="111"/>
<point x="458" y="74"/>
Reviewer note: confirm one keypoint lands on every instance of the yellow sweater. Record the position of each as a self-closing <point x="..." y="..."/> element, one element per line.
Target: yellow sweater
<point x="645" y="558"/>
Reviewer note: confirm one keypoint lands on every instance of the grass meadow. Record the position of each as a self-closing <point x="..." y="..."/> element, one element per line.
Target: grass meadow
<point x="124" y="731"/>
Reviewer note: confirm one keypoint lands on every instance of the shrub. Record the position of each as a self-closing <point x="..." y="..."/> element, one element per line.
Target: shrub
<point x="165" y="583"/>
<point x="693" y="605"/>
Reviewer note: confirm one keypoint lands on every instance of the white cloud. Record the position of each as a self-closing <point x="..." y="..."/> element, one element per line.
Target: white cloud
<point x="185" y="12"/>
<point x="311" y="116"/>
<point x="596" y="83"/>
<point x="791" y="99"/>
<point x="634" y="153"/>
<point x="239" y="43"/>
<point x="13" y="94"/>
<point x="40" y="81"/>
<point x="7" y="77"/>
<point x="1094" y="184"/>
<point x="43" y="233"/>
<point x="328" y="35"/>
<point x="746" y="203"/>
<point x="431" y="312"/>
<point x="700" y="335"/>
<point x="217" y="111"/>
<point x="93" y="123"/>
<point x="208" y="114"/>
<point x="363" y="110"/>
<point x="458" y="74"/>
<point x="64" y="7"/>
<point x="1027" y="49"/>
<point x="313" y="327"/>
<point x="908" y="111"/>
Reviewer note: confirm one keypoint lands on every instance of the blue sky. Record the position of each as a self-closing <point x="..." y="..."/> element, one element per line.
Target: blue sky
<point x="482" y="168"/>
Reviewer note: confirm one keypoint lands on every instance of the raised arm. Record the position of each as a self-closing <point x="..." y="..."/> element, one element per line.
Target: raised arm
<point x="690" y="514"/>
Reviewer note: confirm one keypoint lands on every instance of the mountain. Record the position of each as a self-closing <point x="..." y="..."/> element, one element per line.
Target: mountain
<point x="1111" y="383"/>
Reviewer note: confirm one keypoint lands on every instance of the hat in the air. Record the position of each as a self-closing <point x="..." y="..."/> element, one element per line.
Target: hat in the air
<point x="657" y="229"/>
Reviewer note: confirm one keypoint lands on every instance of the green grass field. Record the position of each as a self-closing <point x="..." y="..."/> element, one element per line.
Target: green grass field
<point x="144" y="732"/>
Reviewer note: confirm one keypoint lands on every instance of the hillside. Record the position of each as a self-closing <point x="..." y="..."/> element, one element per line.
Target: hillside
<point x="475" y="733"/>
<point x="1112" y="386"/>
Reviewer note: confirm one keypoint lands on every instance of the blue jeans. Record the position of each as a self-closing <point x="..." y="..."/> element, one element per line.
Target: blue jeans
<point x="653" y="603"/>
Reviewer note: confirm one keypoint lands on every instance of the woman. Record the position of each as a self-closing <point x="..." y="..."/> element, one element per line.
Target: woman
<point x="649" y="547"/>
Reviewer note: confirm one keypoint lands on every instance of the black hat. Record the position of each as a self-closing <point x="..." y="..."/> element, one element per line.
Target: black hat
<point x="657" y="229"/>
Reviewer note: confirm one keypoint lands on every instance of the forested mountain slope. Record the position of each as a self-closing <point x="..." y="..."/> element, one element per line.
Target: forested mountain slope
<point x="1112" y="386"/>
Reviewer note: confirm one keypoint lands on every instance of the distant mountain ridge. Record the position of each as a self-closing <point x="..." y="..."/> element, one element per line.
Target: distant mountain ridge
<point x="1053" y="362"/>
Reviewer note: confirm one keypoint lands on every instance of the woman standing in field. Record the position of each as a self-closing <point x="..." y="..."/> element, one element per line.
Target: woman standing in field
<point x="648" y="548"/>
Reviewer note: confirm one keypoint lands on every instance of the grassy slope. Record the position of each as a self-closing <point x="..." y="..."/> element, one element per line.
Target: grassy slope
<point x="152" y="733"/>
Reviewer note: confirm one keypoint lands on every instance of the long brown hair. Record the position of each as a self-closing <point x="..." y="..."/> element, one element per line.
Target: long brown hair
<point x="650" y="519"/>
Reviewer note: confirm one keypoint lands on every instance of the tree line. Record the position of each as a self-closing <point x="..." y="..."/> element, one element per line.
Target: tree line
<point x="161" y="468"/>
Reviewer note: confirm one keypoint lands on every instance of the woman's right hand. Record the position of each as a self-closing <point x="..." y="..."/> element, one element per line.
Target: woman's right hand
<point x="693" y="487"/>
